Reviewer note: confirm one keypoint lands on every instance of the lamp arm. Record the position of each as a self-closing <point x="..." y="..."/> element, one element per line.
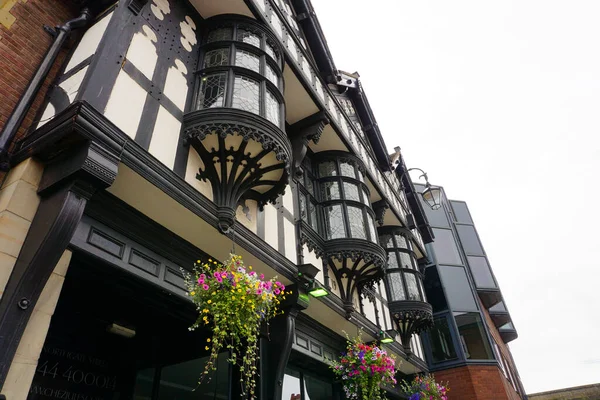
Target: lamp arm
<point x="423" y="175"/>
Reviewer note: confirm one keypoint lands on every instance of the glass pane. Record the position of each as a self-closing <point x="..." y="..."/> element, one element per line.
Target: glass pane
<point x="444" y="245"/>
<point x="291" y="385"/>
<point x="144" y="381"/>
<point x="508" y="325"/>
<point x="461" y="212"/>
<point x="458" y="290"/>
<point x="327" y="168"/>
<point x="392" y="260"/>
<point x="401" y="242"/>
<point x="312" y="208"/>
<point x="442" y="348"/>
<point x="272" y="107"/>
<point x="469" y="240"/>
<point x="481" y="272"/>
<point x="247" y="60"/>
<point x="406" y="260"/>
<point x="366" y="199"/>
<point x="179" y="381"/>
<point x="308" y="183"/>
<point x="330" y="190"/>
<point x="396" y="287"/>
<point x="216" y="57"/>
<point x="351" y="192"/>
<point x="334" y="221"/>
<point x="498" y="307"/>
<point x="472" y="336"/>
<point x="316" y="389"/>
<point x="372" y="230"/>
<point x="303" y="213"/>
<point x="245" y="94"/>
<point x="437" y="218"/>
<point x="270" y="51"/>
<point x="357" y="223"/>
<point x="219" y="34"/>
<point x="212" y="91"/>
<point x="386" y="241"/>
<point x="411" y="286"/>
<point x="361" y="176"/>
<point x="433" y="290"/>
<point x="246" y="36"/>
<point x="347" y="169"/>
<point x="271" y="75"/>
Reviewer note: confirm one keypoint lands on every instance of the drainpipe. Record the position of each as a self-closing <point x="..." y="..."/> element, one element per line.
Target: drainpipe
<point x="16" y="117"/>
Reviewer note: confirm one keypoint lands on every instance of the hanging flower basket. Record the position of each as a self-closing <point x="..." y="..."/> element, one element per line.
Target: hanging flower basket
<point x="363" y="369"/>
<point x="233" y="300"/>
<point x="425" y="388"/>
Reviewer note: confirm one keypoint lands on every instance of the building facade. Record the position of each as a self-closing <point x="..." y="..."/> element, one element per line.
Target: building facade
<point x="158" y="132"/>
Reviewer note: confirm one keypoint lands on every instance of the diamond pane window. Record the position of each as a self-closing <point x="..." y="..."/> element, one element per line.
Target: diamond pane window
<point x="245" y="94"/>
<point x="347" y="169"/>
<point x="357" y="223"/>
<point x="386" y="241"/>
<point x="270" y="51"/>
<point x="271" y="75"/>
<point x="351" y="191"/>
<point x="216" y="58"/>
<point x="412" y="287"/>
<point x="212" y="91"/>
<point x="216" y="35"/>
<point x="272" y="108"/>
<point x="366" y="199"/>
<point x="246" y="36"/>
<point x="392" y="261"/>
<point x="312" y="209"/>
<point x="372" y="230"/>
<point x="303" y="213"/>
<point x="334" y="222"/>
<point x="330" y="190"/>
<point x="406" y="260"/>
<point x="327" y="169"/>
<point x="247" y="60"/>
<point x="396" y="287"/>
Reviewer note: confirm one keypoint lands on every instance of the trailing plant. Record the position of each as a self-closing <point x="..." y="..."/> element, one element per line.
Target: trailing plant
<point x="425" y="388"/>
<point x="363" y="369"/>
<point x="233" y="300"/>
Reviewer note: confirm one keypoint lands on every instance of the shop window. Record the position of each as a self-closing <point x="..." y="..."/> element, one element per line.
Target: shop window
<point x="472" y="336"/>
<point x="481" y="272"/>
<point x="440" y="340"/>
<point x="302" y="386"/>
<point x="445" y="248"/>
<point x="457" y="288"/>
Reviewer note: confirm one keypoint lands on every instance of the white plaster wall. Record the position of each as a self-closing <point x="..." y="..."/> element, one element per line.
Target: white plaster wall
<point x="126" y="103"/>
<point x="290" y="240"/>
<point x="333" y="282"/>
<point x="271" y="234"/>
<point x="194" y="163"/>
<point x="71" y="87"/>
<point x="176" y="85"/>
<point x="249" y="219"/>
<point x="142" y="51"/>
<point x="89" y="42"/>
<point x="165" y="137"/>
<point x="311" y="258"/>
<point x="369" y="310"/>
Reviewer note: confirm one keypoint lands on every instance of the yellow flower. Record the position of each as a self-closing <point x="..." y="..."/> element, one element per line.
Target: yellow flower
<point x="250" y="268"/>
<point x="192" y="293"/>
<point x="243" y="297"/>
<point x="208" y="339"/>
<point x="198" y="261"/>
<point x="205" y="311"/>
<point x="210" y="301"/>
<point x="205" y="347"/>
<point x="239" y="290"/>
<point x="214" y="293"/>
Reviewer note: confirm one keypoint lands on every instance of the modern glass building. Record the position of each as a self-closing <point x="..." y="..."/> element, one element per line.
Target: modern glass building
<point x="155" y="133"/>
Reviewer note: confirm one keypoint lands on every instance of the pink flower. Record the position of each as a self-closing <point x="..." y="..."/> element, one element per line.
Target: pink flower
<point x="252" y="273"/>
<point x="219" y="279"/>
<point x="205" y="287"/>
<point x="200" y="281"/>
<point x="202" y="276"/>
<point x="258" y="291"/>
<point x="277" y="291"/>
<point x="216" y="274"/>
<point x="262" y="276"/>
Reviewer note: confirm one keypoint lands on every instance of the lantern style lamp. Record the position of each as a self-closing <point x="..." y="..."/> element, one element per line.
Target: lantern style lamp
<point x="432" y="195"/>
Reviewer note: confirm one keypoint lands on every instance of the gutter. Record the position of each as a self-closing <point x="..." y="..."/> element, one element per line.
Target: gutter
<point x="24" y="104"/>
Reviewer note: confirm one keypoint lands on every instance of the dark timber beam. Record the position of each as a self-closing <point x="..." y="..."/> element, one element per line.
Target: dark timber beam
<point x="75" y="168"/>
<point x="302" y="132"/>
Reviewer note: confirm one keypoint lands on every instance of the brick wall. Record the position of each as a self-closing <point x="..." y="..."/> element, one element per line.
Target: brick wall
<point x="23" y="44"/>
<point x="475" y="382"/>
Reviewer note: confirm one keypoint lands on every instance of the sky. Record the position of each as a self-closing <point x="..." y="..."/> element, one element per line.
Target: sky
<point x="499" y="101"/>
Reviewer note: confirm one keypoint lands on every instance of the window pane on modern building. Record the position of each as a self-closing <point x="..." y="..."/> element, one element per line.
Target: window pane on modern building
<point x="446" y="251"/>
<point x="440" y="339"/>
<point x="461" y="212"/>
<point x="472" y="336"/>
<point x="458" y="290"/>
<point x="481" y="272"/>
<point x="498" y="307"/>
<point x="434" y="291"/>
<point x="469" y="240"/>
<point x="436" y="218"/>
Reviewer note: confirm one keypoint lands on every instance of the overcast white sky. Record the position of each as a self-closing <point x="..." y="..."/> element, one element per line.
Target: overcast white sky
<point x="499" y="101"/>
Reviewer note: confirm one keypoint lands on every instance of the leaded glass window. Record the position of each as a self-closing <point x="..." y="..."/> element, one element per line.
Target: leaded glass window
<point x="327" y="169"/>
<point x="351" y="191"/>
<point x="334" y="222"/>
<point x="396" y="287"/>
<point x="271" y="75"/>
<point x="212" y="91"/>
<point x="216" y="57"/>
<point x="245" y="94"/>
<point x="219" y="34"/>
<point x="330" y="190"/>
<point x="347" y="169"/>
<point x="357" y="223"/>
<point x="246" y="36"/>
<point x="247" y="60"/>
<point x="272" y="108"/>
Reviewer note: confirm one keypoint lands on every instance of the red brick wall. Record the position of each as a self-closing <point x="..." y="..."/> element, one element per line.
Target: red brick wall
<point x="474" y="382"/>
<point x="23" y="44"/>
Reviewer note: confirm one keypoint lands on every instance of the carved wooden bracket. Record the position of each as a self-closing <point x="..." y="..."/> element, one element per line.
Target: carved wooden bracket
<point x="303" y="131"/>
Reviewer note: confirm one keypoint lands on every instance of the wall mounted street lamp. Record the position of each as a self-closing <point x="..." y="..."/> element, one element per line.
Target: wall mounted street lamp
<point x="306" y="275"/>
<point x="386" y="337"/>
<point x="432" y="195"/>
